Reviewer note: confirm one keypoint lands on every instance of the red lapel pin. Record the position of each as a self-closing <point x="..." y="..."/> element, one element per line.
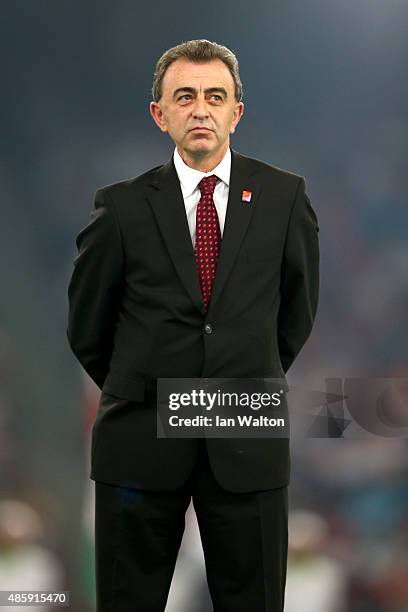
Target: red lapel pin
<point x="246" y="196"/>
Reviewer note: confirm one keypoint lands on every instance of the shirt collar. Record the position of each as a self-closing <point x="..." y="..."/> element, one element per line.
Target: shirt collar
<point x="189" y="177"/>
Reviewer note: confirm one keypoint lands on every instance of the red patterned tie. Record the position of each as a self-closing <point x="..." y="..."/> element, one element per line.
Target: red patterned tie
<point x="208" y="237"/>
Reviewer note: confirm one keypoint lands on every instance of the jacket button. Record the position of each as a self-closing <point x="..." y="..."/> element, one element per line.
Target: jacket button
<point x="208" y="328"/>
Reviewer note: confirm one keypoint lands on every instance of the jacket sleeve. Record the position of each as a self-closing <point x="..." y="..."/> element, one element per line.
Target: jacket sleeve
<point x="299" y="278"/>
<point x="94" y="289"/>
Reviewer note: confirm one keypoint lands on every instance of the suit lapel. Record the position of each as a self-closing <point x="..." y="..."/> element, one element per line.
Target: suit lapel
<point x="168" y="206"/>
<point x="237" y="219"/>
<point x="167" y="203"/>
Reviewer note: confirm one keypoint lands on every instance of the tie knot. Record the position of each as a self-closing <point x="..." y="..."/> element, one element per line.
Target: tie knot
<point x="207" y="184"/>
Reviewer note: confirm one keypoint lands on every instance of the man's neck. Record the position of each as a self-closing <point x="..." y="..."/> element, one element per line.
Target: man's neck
<point x="203" y="164"/>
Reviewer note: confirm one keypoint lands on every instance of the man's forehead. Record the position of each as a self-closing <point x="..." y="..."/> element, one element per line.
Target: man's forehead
<point x="184" y="72"/>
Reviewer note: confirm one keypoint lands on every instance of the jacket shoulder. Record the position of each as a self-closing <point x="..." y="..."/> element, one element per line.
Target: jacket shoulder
<point x="270" y="170"/>
<point x="138" y="182"/>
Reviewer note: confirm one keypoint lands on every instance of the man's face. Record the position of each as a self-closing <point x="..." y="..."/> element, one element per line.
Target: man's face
<point x="198" y="108"/>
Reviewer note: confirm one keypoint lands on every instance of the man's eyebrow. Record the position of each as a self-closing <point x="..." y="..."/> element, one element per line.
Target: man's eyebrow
<point x="208" y="90"/>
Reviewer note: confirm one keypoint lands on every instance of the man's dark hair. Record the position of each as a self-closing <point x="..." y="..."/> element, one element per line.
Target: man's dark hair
<point x="199" y="51"/>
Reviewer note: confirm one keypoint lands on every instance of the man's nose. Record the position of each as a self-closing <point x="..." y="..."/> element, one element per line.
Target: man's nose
<point x="200" y="110"/>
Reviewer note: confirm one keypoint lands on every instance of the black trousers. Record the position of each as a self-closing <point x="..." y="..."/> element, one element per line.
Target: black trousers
<point x="138" y="535"/>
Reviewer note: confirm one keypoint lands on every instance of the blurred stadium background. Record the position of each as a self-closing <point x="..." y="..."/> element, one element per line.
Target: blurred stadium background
<point x="325" y="87"/>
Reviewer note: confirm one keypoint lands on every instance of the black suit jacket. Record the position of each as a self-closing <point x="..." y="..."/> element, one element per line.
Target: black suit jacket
<point x="136" y="314"/>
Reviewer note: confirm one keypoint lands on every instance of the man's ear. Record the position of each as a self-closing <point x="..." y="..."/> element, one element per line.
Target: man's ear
<point x="157" y="114"/>
<point x="238" y="112"/>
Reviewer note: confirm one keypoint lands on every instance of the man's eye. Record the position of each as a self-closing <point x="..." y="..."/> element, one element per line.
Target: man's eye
<point x="185" y="96"/>
<point x="216" y="97"/>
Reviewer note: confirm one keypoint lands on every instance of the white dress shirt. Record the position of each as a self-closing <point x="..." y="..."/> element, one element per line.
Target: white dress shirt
<point x="189" y="179"/>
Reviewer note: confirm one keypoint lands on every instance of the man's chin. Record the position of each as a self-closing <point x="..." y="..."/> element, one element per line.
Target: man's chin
<point x="201" y="149"/>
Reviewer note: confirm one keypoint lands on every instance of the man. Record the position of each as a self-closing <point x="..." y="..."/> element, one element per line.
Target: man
<point x="206" y="266"/>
